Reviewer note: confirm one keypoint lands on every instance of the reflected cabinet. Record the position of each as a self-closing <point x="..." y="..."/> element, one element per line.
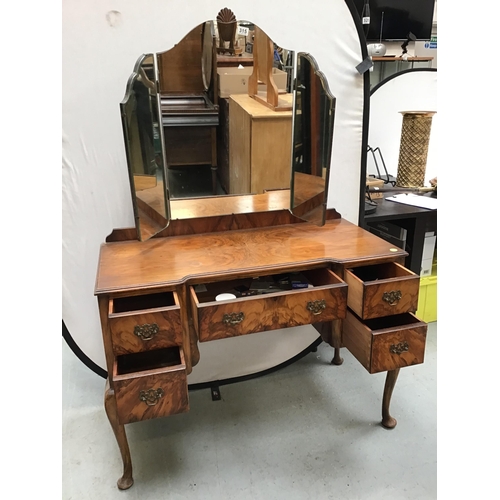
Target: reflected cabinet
<point x="260" y="146"/>
<point x="268" y="256"/>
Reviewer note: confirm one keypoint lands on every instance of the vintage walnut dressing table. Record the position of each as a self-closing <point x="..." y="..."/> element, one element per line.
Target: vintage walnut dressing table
<point x="156" y="287"/>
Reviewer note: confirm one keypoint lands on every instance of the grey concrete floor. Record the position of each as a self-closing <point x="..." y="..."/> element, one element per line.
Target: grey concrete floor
<point x="310" y="430"/>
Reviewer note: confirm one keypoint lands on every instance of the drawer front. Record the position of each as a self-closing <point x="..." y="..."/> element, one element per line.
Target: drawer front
<point x="387" y="343"/>
<point x="139" y="331"/>
<point x="151" y="393"/>
<point x="217" y="320"/>
<point x="394" y="291"/>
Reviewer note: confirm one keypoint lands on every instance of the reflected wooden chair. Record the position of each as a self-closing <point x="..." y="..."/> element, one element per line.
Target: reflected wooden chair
<point x="263" y="57"/>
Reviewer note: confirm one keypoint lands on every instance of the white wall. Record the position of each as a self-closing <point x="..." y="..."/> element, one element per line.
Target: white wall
<point x="101" y="42"/>
<point x="413" y="91"/>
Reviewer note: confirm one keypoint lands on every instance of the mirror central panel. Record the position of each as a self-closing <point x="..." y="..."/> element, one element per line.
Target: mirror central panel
<point x="219" y="139"/>
<point x="236" y="132"/>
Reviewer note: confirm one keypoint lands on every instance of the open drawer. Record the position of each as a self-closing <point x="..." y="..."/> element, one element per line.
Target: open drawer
<point x="145" y="322"/>
<point x="323" y="300"/>
<point x="382" y="290"/>
<point x="384" y="344"/>
<point x="150" y="384"/>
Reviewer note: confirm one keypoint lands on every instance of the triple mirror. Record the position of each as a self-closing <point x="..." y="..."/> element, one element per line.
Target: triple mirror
<point x="200" y="122"/>
<point x="145" y="148"/>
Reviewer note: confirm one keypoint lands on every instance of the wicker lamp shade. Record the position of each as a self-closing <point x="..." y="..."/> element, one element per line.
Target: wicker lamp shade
<point x="415" y="134"/>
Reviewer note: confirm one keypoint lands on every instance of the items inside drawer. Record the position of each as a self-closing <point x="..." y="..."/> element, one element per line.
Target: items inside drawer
<point x="396" y="321"/>
<point x="149" y="360"/>
<point x="266" y="284"/>
<point x="141" y="302"/>
<point x="379" y="271"/>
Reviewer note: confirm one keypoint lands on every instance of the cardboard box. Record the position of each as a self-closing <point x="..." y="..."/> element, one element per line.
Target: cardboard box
<point x="280" y="78"/>
<point x="426" y="267"/>
<point x="235" y="80"/>
<point x="428" y="253"/>
<point x="373" y="183"/>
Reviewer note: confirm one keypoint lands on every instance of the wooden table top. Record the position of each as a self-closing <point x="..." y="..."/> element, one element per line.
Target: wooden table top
<point x="130" y="266"/>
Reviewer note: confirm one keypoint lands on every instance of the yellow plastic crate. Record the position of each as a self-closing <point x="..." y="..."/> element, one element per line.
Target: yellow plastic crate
<point x="427" y="297"/>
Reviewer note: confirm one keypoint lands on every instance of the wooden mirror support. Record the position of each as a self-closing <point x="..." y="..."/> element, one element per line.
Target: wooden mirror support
<point x="234" y="134"/>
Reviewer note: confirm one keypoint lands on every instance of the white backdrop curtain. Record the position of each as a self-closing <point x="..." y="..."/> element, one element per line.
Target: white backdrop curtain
<point x="102" y="39"/>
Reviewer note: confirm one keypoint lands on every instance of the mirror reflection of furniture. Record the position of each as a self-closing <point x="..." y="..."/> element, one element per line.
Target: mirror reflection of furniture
<point x="261" y="139"/>
<point x="260" y="146"/>
<point x="144" y="146"/>
<point x="188" y="87"/>
<point x="314" y="114"/>
<point x="263" y="57"/>
<point x="228" y="61"/>
<point x="226" y="26"/>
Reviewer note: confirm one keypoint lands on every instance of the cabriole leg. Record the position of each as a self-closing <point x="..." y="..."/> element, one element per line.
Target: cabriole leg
<point x="126" y="480"/>
<point x="387" y="421"/>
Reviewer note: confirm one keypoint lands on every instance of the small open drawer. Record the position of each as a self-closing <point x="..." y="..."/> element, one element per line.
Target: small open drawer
<point x="150" y="384"/>
<point x="145" y="322"/>
<point x="384" y="344"/>
<point x="382" y="290"/>
<point x="324" y="300"/>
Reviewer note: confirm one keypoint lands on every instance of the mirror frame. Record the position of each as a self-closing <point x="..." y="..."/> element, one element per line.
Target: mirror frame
<point x="156" y="113"/>
<point x="309" y="210"/>
<point x="312" y="210"/>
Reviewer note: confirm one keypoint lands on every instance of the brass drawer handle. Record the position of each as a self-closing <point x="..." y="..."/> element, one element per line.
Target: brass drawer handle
<point x="146" y="332"/>
<point x="233" y="318"/>
<point x="151" y="396"/>
<point x="399" y="348"/>
<point x="392" y="297"/>
<point x="316" y="306"/>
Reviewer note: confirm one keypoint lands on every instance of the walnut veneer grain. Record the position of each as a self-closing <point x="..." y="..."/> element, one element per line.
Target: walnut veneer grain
<point x="390" y="289"/>
<point x="270" y="311"/>
<point x="126" y="336"/>
<point x="134" y="265"/>
<point x="131" y="390"/>
<point x="385" y="344"/>
<point x="154" y="282"/>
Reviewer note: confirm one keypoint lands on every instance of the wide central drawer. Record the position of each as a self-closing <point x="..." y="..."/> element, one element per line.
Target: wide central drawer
<point x="150" y="384"/>
<point x="145" y="322"/>
<point x="325" y="299"/>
